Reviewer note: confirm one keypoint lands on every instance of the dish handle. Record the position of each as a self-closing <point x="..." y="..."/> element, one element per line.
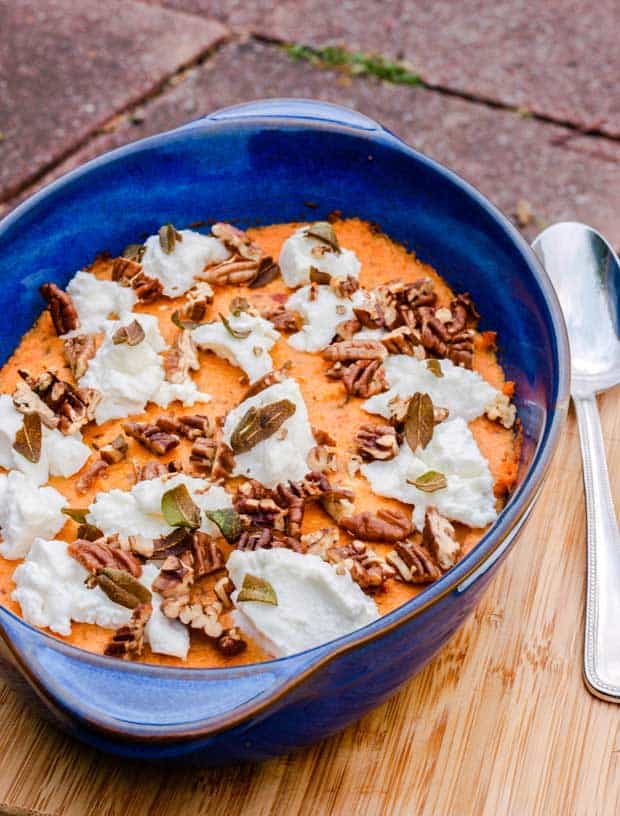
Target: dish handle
<point x="138" y="701"/>
<point x="302" y="109"/>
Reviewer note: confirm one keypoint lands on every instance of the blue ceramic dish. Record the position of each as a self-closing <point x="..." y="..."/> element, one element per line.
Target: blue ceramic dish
<point x="262" y="163"/>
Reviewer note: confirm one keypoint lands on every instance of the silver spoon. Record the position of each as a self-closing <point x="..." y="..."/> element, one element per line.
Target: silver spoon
<point x="585" y="272"/>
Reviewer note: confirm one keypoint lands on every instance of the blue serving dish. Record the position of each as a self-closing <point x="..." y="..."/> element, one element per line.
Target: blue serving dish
<point x="262" y="163"/>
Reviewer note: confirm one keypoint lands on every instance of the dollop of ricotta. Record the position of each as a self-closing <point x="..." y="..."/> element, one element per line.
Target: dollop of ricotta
<point x="60" y="455"/>
<point x="130" y="376"/>
<point x="164" y="635"/>
<point x="321" y="315"/>
<point x="97" y="301"/>
<point x="138" y="511"/>
<point x="250" y="353"/>
<point x="315" y="603"/>
<point x="27" y="511"/>
<point x="51" y="591"/>
<point x="297" y="258"/>
<point x="453" y="451"/>
<point x="463" y="392"/>
<point x="283" y="455"/>
<point x="177" y="270"/>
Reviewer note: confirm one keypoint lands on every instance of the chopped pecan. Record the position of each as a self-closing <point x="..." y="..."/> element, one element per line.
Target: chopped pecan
<point x="440" y="414"/>
<point x="208" y="557"/>
<point x="91" y="474"/>
<point x="398" y="408"/>
<point x="204" y="617"/>
<point x="74" y="407"/>
<point x="347" y="329"/>
<point x="292" y="498"/>
<point x="194" y="426"/>
<point x="347" y="351"/>
<point x="237" y="241"/>
<point x="129" y="272"/>
<point x="128" y="639"/>
<point x="132" y="334"/>
<point x="337" y="504"/>
<point x="173" y="582"/>
<point x="385" y="525"/>
<point x="154" y="470"/>
<point x="104" y="552"/>
<point x="266" y="538"/>
<point x="115" y="451"/>
<point x="62" y="309"/>
<point x="365" y="378"/>
<point x="320" y="541"/>
<point x="180" y="358"/>
<point x="323" y="437"/>
<point x="501" y="410"/>
<point x="420" y="292"/>
<point x="257" y="507"/>
<point x="27" y="402"/>
<point x="461" y="348"/>
<point x="344" y="287"/>
<point x="404" y="340"/>
<point x="413" y="563"/>
<point x="323" y="458"/>
<point x="124" y="270"/>
<point x="198" y="299"/>
<point x="377" y="441"/>
<point x="223" y="589"/>
<point x="276" y="375"/>
<point x="202" y="455"/>
<point x="230" y="642"/>
<point x="151" y="436"/>
<point x="336" y="372"/>
<point x="364" y="565"/>
<point x="224" y="462"/>
<point x="79" y="350"/>
<point x="283" y="319"/>
<point x="438" y="538"/>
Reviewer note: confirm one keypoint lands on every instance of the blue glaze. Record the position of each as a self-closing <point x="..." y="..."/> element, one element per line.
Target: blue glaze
<point x="260" y="163"/>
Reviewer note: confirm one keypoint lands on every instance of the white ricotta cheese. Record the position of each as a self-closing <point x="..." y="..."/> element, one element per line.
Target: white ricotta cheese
<point x="51" y="591"/>
<point x="453" y="451"/>
<point x="27" y="511"/>
<point x="98" y="300"/>
<point x="321" y="316"/>
<point x="130" y="376"/>
<point x="296" y="258"/>
<point x="315" y="603"/>
<point x="177" y="270"/>
<point x="138" y="511"/>
<point x="164" y="636"/>
<point x="283" y="455"/>
<point x="464" y="393"/>
<point x="249" y="353"/>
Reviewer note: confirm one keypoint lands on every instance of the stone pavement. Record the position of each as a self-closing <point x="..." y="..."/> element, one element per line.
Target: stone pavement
<point x="521" y="98"/>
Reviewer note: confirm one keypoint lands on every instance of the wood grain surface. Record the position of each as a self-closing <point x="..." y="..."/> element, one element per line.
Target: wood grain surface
<point x="499" y="723"/>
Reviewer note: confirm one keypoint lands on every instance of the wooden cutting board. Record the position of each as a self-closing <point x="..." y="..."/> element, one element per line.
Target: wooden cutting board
<point x="500" y="723"/>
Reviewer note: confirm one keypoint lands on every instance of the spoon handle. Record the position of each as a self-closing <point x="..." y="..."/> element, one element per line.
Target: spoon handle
<point x="602" y="642"/>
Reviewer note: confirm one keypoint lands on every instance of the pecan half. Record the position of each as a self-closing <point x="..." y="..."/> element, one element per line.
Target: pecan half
<point x="104" y="552"/>
<point x="62" y="309"/>
<point x="231" y="271"/>
<point x="115" y="451"/>
<point x="413" y="563"/>
<point x="230" y="642"/>
<point x="129" y="272"/>
<point x="151" y="437"/>
<point x="439" y="539"/>
<point x="404" y="340"/>
<point x="365" y="378"/>
<point x="128" y="640"/>
<point x="283" y="319"/>
<point x="291" y="497"/>
<point x="347" y="351"/>
<point x="180" y="358"/>
<point x="237" y="241"/>
<point x="385" y="525"/>
<point x="79" y="350"/>
<point x="124" y="270"/>
<point x="377" y="441"/>
<point x="85" y="482"/>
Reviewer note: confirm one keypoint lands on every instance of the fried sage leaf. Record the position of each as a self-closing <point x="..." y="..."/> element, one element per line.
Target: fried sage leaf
<point x="228" y="521"/>
<point x="89" y="532"/>
<point x="238" y="334"/>
<point x="168" y="237"/>
<point x="317" y="276"/>
<point x="134" y="252"/>
<point x="179" y="509"/>
<point x="76" y="513"/>
<point x="182" y="323"/>
<point x="324" y="232"/>
<point x="28" y="438"/>
<point x="120" y="587"/>
<point x="257" y="589"/>
<point x="259" y="424"/>
<point x="419" y="421"/>
<point x="434" y="367"/>
<point x="430" y="481"/>
<point x="268" y="270"/>
<point x="132" y="334"/>
<point x="175" y="543"/>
